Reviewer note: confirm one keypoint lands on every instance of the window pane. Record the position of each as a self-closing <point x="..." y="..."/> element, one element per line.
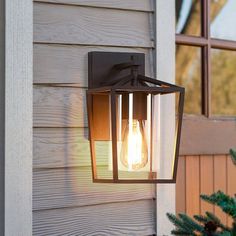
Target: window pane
<point x="223" y="82"/>
<point x="188" y="17"/>
<point x="223" y="19"/>
<point x="188" y="75"/>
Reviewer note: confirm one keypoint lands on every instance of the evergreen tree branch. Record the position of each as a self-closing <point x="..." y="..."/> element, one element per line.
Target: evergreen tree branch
<point x="225" y="202"/>
<point x="180" y="225"/>
<point x="214" y="218"/>
<point x="191" y="223"/>
<point x="181" y="232"/>
<point x="233" y="155"/>
<point x="201" y="219"/>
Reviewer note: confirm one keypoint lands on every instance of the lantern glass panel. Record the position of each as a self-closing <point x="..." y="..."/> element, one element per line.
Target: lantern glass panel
<point x="144" y="149"/>
<point x="165" y="148"/>
<point x="101" y="119"/>
<point x="103" y="153"/>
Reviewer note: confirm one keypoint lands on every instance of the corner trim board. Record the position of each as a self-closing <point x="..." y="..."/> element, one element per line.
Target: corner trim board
<point x="18" y="117"/>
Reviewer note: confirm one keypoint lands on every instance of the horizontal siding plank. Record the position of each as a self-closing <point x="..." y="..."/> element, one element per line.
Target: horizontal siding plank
<point x="59" y="107"/>
<point x="55" y="23"/>
<point x="69" y="64"/>
<point x="65" y="147"/>
<point x="70" y="187"/>
<point x="128" y="218"/>
<point x="139" y="5"/>
<point x="59" y="147"/>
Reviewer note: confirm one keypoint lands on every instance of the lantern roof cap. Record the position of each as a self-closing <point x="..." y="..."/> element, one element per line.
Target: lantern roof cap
<point x="141" y="84"/>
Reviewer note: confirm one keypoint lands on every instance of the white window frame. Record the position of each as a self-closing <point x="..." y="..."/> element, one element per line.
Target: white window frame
<point x="165" y="70"/>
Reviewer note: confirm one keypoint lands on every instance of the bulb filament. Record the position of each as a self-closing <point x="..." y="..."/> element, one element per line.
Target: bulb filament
<point x="134" y="153"/>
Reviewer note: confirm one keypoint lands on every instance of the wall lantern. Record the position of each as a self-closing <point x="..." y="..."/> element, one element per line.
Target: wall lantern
<point x="127" y="113"/>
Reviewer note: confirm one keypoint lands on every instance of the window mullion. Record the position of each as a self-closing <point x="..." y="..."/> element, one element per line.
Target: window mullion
<point x="206" y="81"/>
<point x="206" y="108"/>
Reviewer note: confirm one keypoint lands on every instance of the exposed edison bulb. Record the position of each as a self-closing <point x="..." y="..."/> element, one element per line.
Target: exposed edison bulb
<point x="134" y="151"/>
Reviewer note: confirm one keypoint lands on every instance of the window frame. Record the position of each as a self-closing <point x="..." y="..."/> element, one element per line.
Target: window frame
<point x="206" y="43"/>
<point x="206" y="134"/>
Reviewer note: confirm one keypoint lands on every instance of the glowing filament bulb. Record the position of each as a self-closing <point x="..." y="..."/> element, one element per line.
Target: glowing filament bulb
<point x="134" y="152"/>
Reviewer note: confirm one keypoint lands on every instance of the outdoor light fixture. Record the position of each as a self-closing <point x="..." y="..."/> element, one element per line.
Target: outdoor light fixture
<point x="130" y="138"/>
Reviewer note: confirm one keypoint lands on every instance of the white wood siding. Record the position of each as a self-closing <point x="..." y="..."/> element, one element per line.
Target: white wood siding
<point x="2" y="113"/>
<point x="139" y="5"/>
<point x="55" y="63"/>
<point x="57" y="188"/>
<point x="66" y="24"/>
<point x="65" y="201"/>
<point x="128" y="218"/>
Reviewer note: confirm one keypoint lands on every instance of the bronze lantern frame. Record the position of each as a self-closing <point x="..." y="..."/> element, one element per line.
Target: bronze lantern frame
<point x="113" y="73"/>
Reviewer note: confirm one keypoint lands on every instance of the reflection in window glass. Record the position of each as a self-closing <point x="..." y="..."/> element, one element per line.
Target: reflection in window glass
<point x="223" y="64"/>
<point x="188" y="75"/>
<point x="188" y="17"/>
<point x="223" y="19"/>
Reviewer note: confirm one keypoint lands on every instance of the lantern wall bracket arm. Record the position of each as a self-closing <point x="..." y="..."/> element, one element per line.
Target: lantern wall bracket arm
<point x="134" y="64"/>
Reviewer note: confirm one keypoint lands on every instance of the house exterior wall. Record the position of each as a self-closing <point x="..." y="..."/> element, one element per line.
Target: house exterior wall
<point x="65" y="201"/>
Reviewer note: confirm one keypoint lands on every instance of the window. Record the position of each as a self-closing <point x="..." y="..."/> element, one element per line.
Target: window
<point x="206" y="55"/>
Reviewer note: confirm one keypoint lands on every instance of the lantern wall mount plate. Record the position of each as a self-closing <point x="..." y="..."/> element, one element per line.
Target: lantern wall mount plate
<point x="129" y="136"/>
